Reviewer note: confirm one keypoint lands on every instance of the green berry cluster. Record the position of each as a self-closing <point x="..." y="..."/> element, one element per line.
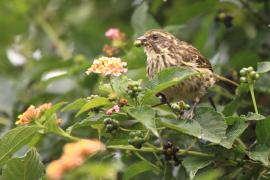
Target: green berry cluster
<point x="111" y="125"/>
<point x="181" y="105"/>
<point x="134" y="89"/>
<point x="248" y="75"/>
<point x="136" y="139"/>
<point x="170" y="153"/>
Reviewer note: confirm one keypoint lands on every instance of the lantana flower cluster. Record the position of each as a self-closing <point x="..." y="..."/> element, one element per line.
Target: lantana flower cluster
<point x="108" y="66"/>
<point x="32" y="113"/>
<point x="115" y="34"/>
<point x="73" y="156"/>
<point x="117" y="41"/>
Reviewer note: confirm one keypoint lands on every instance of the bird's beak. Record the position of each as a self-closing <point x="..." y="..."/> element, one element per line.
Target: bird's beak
<point x="140" y="41"/>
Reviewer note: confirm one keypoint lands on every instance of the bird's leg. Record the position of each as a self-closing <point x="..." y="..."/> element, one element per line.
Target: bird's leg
<point x="190" y="113"/>
<point x="212" y="102"/>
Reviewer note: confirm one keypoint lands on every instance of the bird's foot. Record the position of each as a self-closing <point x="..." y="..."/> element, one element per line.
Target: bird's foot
<point x="188" y="114"/>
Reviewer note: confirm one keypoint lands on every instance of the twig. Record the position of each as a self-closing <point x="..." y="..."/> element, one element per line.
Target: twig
<point x="254" y="13"/>
<point x="145" y="160"/>
<point x="148" y="149"/>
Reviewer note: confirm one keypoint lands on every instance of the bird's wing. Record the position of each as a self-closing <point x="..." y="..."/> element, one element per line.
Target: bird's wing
<point x="192" y="57"/>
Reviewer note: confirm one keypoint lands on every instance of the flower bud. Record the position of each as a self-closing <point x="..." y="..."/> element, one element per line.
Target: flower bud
<point x="243" y="79"/>
<point x="249" y="69"/>
<point x="257" y="76"/>
<point x="243" y="72"/>
<point x="252" y="74"/>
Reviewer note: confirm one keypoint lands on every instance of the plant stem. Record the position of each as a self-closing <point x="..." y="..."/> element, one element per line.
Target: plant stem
<point x="145" y="160"/>
<point x="242" y="144"/>
<point x="148" y="149"/>
<point x="52" y="35"/>
<point x="132" y="130"/>
<point x="251" y="89"/>
<point x="110" y="81"/>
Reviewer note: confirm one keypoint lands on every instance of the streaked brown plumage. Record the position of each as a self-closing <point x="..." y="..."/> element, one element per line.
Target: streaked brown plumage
<point x="164" y="50"/>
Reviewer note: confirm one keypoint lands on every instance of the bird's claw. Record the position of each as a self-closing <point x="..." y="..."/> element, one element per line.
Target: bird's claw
<point x="188" y="114"/>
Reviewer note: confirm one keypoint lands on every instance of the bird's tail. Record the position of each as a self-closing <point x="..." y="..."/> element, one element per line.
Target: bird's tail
<point x="221" y="78"/>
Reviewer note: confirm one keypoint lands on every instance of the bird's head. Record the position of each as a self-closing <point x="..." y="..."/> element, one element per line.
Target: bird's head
<point x="156" y="41"/>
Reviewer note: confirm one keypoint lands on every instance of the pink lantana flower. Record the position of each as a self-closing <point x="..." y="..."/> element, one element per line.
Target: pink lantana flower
<point x="115" y="108"/>
<point x="114" y="34"/>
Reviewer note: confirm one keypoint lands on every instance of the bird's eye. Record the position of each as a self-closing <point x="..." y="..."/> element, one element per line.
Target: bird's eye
<point x="155" y="37"/>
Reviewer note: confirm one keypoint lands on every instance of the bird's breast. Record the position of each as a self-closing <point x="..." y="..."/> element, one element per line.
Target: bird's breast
<point x="158" y="62"/>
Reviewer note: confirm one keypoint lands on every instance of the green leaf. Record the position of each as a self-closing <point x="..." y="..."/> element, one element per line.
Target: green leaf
<point x="189" y="127"/>
<point x="260" y="153"/>
<point x="92" y="120"/>
<point x="211" y="174"/>
<point x="14" y="140"/>
<point x="253" y="117"/>
<point x="212" y="123"/>
<point x="75" y="105"/>
<point x="233" y="131"/>
<point x="24" y="168"/>
<point x="52" y="127"/>
<point x="193" y="164"/>
<point x="146" y="116"/>
<point x="262" y="131"/>
<point x="93" y="103"/>
<point x="167" y="78"/>
<point x="135" y="169"/>
<point x="208" y="125"/>
<point x="141" y="20"/>
<point x="263" y="67"/>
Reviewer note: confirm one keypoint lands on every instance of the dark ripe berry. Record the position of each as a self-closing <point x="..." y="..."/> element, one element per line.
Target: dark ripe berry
<point x="137" y="145"/>
<point x="177" y="162"/>
<point x="228" y="21"/>
<point x="175" y="149"/>
<point x="167" y="145"/>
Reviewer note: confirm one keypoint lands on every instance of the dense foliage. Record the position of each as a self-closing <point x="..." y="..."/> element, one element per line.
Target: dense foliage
<point x="60" y="119"/>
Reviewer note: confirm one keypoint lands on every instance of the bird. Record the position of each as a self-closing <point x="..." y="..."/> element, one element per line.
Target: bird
<point x="164" y="50"/>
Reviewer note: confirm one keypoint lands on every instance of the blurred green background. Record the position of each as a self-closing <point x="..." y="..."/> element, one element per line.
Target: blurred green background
<point x="46" y="46"/>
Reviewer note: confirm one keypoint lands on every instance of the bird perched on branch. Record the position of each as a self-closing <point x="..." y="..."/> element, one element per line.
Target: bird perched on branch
<point x="164" y="50"/>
